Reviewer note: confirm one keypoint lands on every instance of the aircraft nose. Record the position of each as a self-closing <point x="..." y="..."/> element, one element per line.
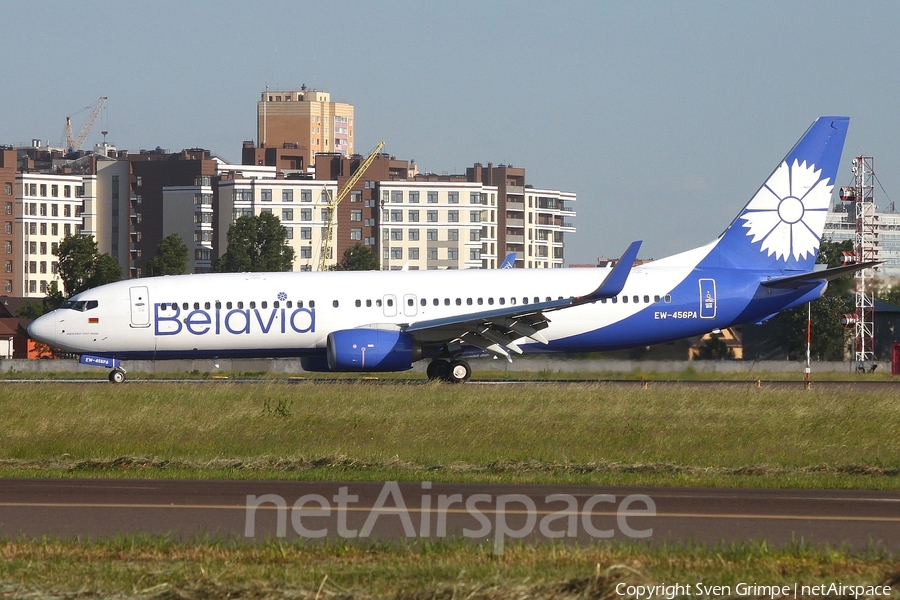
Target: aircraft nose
<point x="43" y="329"/>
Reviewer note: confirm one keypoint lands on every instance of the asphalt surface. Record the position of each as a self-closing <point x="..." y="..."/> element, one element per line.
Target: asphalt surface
<point x="496" y="514"/>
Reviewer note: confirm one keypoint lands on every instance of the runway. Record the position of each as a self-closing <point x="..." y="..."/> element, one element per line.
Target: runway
<point x="844" y="385"/>
<point x="256" y="511"/>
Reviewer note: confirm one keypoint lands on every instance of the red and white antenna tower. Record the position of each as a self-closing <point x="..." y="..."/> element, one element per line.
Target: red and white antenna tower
<point x="862" y="195"/>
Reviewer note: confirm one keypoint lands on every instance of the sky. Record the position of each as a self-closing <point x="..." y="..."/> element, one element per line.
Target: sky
<point x="663" y="117"/>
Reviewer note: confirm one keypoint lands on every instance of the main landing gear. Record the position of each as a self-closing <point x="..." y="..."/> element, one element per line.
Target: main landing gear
<point x="117" y="375"/>
<point x="456" y="371"/>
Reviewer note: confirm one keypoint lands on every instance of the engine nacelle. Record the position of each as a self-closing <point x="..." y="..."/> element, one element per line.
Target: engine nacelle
<point x="371" y="350"/>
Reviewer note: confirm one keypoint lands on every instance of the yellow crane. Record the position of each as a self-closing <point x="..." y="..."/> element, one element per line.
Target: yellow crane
<point x="73" y="144"/>
<point x="333" y="201"/>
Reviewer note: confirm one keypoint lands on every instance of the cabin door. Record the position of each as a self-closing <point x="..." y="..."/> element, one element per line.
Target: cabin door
<point x="140" y="306"/>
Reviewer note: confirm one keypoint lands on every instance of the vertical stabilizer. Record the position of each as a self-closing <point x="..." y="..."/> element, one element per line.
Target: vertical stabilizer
<point x="781" y="227"/>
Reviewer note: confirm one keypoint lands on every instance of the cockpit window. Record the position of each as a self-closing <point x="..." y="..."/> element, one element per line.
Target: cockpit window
<point x="80" y="305"/>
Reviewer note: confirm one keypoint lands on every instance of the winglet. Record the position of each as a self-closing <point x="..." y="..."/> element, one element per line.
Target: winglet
<point x="509" y="262"/>
<point x="615" y="281"/>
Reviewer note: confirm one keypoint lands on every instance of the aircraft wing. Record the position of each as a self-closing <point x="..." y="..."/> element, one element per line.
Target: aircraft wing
<point x="498" y="330"/>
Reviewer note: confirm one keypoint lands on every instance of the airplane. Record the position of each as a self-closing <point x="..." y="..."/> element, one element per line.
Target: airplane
<point x="382" y="321"/>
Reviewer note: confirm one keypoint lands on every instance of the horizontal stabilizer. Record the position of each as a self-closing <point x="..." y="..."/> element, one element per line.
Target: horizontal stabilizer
<point x="792" y="281"/>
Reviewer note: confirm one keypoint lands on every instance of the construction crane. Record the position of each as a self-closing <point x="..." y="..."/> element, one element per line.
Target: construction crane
<point x="333" y="201"/>
<point x="73" y="144"/>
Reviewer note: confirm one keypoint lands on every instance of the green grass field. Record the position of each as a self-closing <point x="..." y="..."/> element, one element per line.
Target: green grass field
<point x="569" y="433"/>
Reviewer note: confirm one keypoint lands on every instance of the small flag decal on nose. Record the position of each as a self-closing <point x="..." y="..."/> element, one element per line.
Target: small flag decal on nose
<point x="93" y="320"/>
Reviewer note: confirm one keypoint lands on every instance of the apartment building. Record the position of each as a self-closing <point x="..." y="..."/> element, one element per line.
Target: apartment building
<point x="531" y="222"/>
<point x="359" y="211"/>
<point x="840" y="225"/>
<point x="437" y="225"/>
<point x="152" y="175"/>
<point x="302" y="122"/>
<point x="9" y="250"/>
<point x="48" y="208"/>
<point x="302" y="205"/>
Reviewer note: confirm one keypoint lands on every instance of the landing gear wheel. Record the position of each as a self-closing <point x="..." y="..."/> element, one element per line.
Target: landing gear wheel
<point x="437" y="369"/>
<point x="117" y="376"/>
<point x="460" y="371"/>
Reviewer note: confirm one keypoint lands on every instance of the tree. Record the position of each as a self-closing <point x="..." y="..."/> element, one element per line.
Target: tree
<point x="256" y="244"/>
<point x="829" y="337"/>
<point x="81" y="267"/>
<point x="714" y="348"/>
<point x="358" y="257"/>
<point x="171" y="257"/>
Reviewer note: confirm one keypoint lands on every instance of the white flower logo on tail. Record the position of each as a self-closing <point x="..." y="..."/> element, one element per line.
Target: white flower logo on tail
<point x="788" y="213"/>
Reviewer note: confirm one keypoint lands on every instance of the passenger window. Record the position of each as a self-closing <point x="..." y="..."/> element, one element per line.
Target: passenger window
<point x="240" y="304"/>
<point x="410" y="302"/>
<point x="480" y="301"/>
<point x="358" y="303"/>
<point x="423" y="302"/>
<point x="537" y="300"/>
<point x="549" y="298"/>
<point x="196" y="306"/>
<point x="636" y="299"/>
<point x="253" y="304"/>
<point x="446" y="301"/>
<point x="502" y="301"/>
<point x="436" y="302"/>
<point x="276" y="304"/>
<point x="614" y="299"/>
<point x="390" y="301"/>
<point x="368" y="303"/>
<point x="378" y="303"/>
<point x="312" y="303"/>
<point x="656" y="298"/>
<point x="264" y="304"/>
<point x="290" y="303"/>
<point x="185" y="305"/>
<point x="334" y="303"/>
<point x="602" y="300"/>
<point x="668" y="298"/>
<point x="469" y="301"/>
<point x="646" y="299"/>
<point x="525" y="300"/>
<point x="299" y="303"/>
<point x="491" y="301"/>
<point x="512" y="300"/>
<point x="625" y="299"/>
<point x="228" y="305"/>
<point x="459" y="301"/>
<point x="206" y="305"/>
<point x="218" y="305"/>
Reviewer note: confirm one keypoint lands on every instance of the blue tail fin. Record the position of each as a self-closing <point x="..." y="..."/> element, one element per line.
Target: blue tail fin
<point x="781" y="227"/>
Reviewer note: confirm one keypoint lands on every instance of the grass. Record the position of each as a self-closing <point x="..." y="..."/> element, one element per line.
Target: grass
<point x="690" y="373"/>
<point x="159" y="568"/>
<point x="595" y="433"/>
<point x="569" y="433"/>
